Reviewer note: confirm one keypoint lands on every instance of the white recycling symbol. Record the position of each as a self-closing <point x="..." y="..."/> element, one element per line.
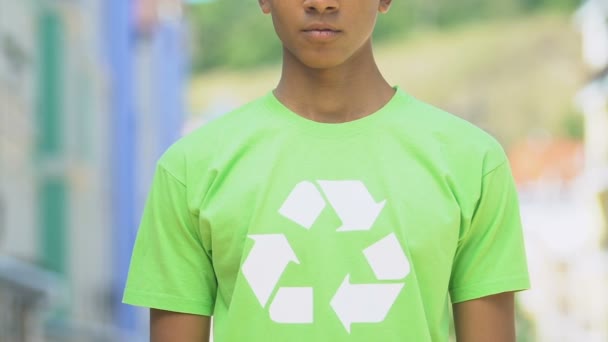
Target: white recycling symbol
<point x="352" y="303"/>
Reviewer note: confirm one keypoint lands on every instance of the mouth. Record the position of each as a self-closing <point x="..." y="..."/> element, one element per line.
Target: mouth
<point x="321" y="27"/>
<point x="321" y="32"/>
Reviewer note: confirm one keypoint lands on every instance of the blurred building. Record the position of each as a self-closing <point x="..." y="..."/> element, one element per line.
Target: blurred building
<point x="592" y="18"/>
<point x="563" y="189"/>
<point x="564" y="233"/>
<point x="91" y="96"/>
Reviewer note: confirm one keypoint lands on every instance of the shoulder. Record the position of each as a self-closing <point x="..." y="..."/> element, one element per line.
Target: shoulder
<point x="452" y="137"/>
<point x="198" y="149"/>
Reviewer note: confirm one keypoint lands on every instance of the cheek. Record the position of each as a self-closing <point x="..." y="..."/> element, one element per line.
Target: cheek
<point x="366" y="21"/>
<point x="280" y="30"/>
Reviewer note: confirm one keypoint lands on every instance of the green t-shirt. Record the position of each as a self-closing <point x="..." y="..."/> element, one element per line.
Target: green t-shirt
<point x="286" y="229"/>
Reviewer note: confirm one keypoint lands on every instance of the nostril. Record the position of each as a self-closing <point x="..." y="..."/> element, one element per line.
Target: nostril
<point x="321" y="10"/>
<point x="321" y="6"/>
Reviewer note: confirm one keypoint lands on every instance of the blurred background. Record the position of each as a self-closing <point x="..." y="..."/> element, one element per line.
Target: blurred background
<point x="93" y="91"/>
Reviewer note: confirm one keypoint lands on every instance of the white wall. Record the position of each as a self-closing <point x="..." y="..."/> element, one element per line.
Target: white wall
<point x="17" y="181"/>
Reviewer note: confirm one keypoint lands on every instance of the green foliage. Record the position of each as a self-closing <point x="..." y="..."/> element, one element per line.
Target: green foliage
<point x="231" y="33"/>
<point x="573" y="126"/>
<point x="560" y="4"/>
<point x="525" y="324"/>
<point x="397" y="22"/>
<point x="235" y="33"/>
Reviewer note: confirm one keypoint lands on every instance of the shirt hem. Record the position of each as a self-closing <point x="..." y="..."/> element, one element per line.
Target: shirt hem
<point x="488" y="289"/>
<point x="167" y="303"/>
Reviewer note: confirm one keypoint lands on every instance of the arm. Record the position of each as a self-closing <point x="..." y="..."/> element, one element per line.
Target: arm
<point x="167" y="326"/>
<point x="490" y="263"/>
<point x="490" y="318"/>
<point x="171" y="269"/>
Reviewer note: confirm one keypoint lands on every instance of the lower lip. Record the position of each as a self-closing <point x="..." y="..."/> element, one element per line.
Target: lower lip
<point x="321" y="35"/>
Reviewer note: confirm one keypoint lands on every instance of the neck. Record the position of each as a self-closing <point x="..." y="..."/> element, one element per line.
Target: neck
<point x="344" y="93"/>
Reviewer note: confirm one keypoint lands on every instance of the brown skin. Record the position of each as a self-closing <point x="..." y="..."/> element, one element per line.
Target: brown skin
<point x="490" y="318"/>
<point x="329" y="81"/>
<point x="335" y="79"/>
<point x="166" y="326"/>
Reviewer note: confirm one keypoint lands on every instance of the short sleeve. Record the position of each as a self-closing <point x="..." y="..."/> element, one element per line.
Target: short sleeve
<point x="170" y="269"/>
<point x="490" y="257"/>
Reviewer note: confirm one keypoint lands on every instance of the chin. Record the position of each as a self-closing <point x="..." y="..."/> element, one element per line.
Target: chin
<point x="321" y="62"/>
<point x="318" y="59"/>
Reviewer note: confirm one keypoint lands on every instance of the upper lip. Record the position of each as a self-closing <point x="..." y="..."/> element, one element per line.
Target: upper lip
<point x="320" y="27"/>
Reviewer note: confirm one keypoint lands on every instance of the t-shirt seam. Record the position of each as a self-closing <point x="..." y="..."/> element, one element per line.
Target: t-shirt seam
<point x="166" y="170"/>
<point x="348" y="133"/>
<point x="168" y="296"/>
<point x="501" y="164"/>
<point x="475" y="286"/>
<point x="192" y="222"/>
<point x="494" y="169"/>
<point x="270" y="102"/>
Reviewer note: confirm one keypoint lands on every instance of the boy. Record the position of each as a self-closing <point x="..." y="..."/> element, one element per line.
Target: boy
<point x="336" y="208"/>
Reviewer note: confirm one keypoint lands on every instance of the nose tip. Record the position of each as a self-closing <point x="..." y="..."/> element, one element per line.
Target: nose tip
<point x="321" y="6"/>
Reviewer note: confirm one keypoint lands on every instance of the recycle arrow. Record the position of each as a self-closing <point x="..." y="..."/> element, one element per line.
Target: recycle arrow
<point x="353" y="203"/>
<point x="387" y="259"/>
<point x="266" y="262"/>
<point x="303" y="205"/>
<point x="293" y="305"/>
<point x="363" y="303"/>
